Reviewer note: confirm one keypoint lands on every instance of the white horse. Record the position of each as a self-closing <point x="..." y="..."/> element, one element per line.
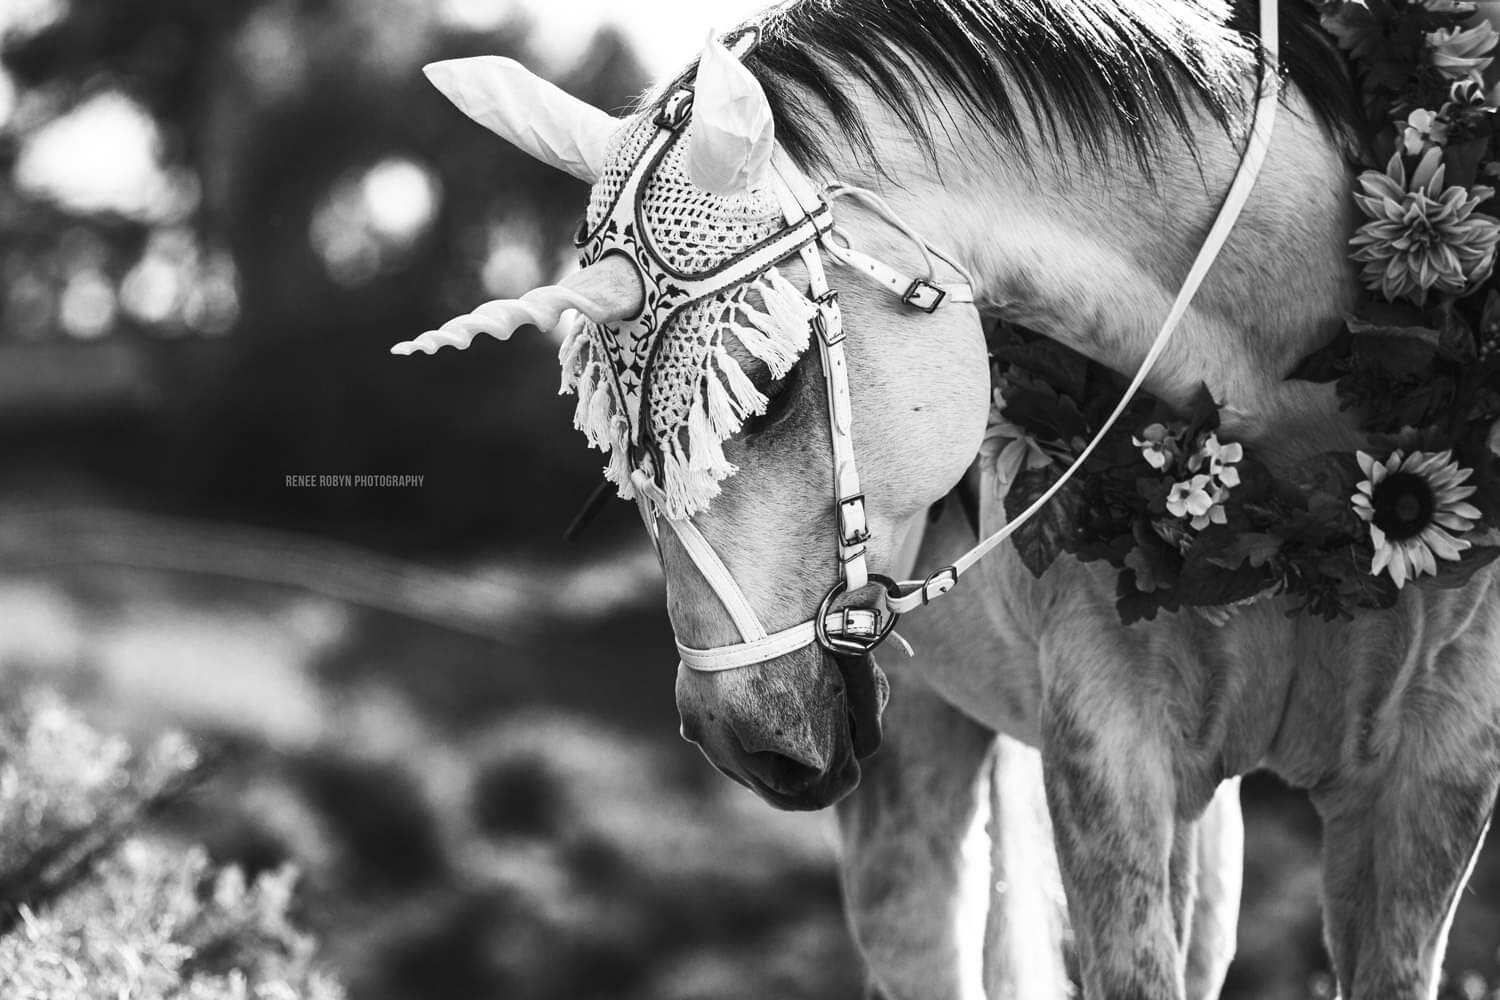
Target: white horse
<point x="1070" y="155"/>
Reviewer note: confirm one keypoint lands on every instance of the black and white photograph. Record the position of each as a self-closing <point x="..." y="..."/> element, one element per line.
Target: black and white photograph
<point x="734" y="500"/>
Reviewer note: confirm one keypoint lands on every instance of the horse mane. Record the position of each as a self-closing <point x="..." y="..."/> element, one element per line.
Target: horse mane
<point x="1095" y="69"/>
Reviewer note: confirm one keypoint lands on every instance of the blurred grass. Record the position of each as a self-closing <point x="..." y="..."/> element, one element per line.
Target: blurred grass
<point x="478" y="818"/>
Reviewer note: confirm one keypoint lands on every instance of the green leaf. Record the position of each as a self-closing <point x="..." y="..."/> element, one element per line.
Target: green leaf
<point x="1328" y="363"/>
<point x="1135" y="605"/>
<point x="1489" y="321"/>
<point x="1247" y="547"/>
<point x="1397" y="353"/>
<point x="1463" y="160"/>
<point x="1061" y="366"/>
<point x="1043" y="538"/>
<point x="1206" y="580"/>
<point x="1455" y="337"/>
<point x="1452" y="575"/>
<point x="1203" y="414"/>
<point x="1357" y="586"/>
<point x="1331" y="474"/>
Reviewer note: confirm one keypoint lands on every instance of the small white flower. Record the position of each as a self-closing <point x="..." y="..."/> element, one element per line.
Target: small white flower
<point x="1415" y="507"/>
<point x="1221" y="459"/>
<point x="1423" y="129"/>
<point x="1008" y="449"/>
<point x="1156" y="445"/>
<point x="1191" y="498"/>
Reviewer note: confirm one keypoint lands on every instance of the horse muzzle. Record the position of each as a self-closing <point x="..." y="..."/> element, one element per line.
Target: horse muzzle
<point x="793" y="730"/>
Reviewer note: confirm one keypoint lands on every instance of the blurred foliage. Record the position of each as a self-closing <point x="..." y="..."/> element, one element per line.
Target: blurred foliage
<point x="303" y="200"/>
<point x="313" y="200"/>
<point x="88" y="910"/>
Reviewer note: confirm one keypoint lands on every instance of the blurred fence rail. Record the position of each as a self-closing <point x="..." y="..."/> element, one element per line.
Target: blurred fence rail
<point x="511" y="605"/>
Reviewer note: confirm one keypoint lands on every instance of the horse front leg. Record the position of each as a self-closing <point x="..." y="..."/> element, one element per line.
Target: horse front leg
<point x="916" y="899"/>
<point x="1112" y="796"/>
<point x="1400" y="835"/>
<point x="1220" y="835"/>
<point x="1023" y="952"/>
<point x="903" y="832"/>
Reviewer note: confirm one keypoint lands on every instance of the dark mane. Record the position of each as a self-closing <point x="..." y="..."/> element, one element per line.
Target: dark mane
<point x="1095" y="70"/>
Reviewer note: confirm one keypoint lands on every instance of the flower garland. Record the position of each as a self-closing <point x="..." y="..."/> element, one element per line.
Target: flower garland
<point x="1189" y="519"/>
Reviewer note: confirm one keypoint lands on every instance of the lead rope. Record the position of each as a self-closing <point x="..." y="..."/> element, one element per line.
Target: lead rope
<point x="941" y="582"/>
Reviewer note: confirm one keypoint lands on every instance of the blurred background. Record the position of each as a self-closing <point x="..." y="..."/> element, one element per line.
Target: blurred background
<point x="214" y="220"/>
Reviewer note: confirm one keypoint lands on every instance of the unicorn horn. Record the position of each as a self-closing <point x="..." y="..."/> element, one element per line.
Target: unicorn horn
<point x="733" y="132"/>
<point x="527" y="111"/>
<point x="606" y="291"/>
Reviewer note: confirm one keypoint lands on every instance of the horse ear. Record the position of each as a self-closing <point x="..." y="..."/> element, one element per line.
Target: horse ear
<point x="733" y="133"/>
<point x="527" y="111"/>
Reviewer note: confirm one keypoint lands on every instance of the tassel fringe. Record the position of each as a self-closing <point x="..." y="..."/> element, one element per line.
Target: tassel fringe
<point x="692" y="460"/>
<point x="745" y="398"/>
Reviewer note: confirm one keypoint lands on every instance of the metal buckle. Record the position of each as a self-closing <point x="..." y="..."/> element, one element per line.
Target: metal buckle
<point x="924" y="295"/>
<point x="948" y="575"/>
<point x="675" y="109"/>
<point x="857" y="631"/>
<point x="828" y="321"/>
<point x="853" y="528"/>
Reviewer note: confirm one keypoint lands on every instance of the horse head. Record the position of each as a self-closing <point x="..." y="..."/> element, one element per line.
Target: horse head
<point x="695" y="368"/>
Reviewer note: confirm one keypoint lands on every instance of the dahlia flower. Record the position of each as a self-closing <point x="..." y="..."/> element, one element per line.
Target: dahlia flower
<point x="1425" y="237"/>
<point x="1462" y="53"/>
<point x="1415" y="507"/>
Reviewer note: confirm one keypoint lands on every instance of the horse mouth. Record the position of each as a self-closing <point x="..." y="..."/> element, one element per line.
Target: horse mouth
<point x="830" y="788"/>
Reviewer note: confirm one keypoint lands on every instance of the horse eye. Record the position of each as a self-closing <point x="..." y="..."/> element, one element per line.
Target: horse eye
<point x="779" y="399"/>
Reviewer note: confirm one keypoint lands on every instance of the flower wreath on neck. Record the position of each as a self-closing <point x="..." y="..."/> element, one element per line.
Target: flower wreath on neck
<point x="1192" y="520"/>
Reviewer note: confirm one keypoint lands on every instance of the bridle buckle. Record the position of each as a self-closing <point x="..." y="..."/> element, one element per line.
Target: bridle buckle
<point x="828" y="321"/>
<point x="924" y="295"/>
<point x="853" y="527"/>
<point x="856" y="631"/>
<point x="675" y="110"/>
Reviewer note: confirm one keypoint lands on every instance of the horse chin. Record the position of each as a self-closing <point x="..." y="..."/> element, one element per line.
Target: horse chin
<point x="792" y="730"/>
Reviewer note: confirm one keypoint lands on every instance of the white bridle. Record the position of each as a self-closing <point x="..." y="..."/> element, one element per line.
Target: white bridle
<point x="855" y="631"/>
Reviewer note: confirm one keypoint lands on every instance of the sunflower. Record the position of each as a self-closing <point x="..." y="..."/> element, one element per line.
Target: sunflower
<point x="1425" y="237"/>
<point x="1414" y="505"/>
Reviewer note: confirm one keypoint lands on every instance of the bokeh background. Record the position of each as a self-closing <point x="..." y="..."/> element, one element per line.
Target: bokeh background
<point x="214" y="220"/>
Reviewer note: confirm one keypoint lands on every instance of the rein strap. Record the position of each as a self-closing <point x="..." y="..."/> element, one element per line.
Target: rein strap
<point x="915" y="593"/>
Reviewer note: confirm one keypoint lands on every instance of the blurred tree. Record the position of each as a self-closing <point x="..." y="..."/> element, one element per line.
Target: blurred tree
<point x="302" y="201"/>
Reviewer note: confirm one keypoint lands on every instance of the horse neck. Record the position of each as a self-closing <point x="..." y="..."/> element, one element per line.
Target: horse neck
<point x="1093" y="256"/>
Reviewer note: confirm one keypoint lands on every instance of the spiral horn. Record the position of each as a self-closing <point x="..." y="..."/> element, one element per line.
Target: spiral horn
<point x="606" y="292"/>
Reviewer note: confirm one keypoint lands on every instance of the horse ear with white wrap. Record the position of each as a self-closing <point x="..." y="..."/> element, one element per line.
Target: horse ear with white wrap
<point x="733" y="131"/>
<point x="732" y="141"/>
<point x="523" y="109"/>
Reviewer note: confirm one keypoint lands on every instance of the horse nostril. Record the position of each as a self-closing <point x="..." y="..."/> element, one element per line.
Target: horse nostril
<point x="781" y="773"/>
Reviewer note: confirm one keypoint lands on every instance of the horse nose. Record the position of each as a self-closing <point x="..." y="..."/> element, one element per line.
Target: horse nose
<point x="780" y="773"/>
<point x="784" y="762"/>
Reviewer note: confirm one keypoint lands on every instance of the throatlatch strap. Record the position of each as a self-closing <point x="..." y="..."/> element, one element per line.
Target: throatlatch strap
<point x="944" y="580"/>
